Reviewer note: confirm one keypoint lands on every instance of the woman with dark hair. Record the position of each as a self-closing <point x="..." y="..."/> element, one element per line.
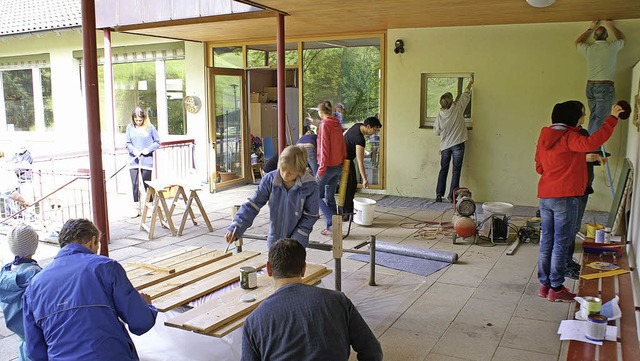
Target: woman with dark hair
<point x="560" y="161"/>
<point x="142" y="140"/>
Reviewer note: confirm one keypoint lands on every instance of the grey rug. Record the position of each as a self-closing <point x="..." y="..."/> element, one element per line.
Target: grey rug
<point x="419" y="266"/>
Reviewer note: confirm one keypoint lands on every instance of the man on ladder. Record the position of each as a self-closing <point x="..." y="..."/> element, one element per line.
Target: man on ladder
<point x="602" y="58"/>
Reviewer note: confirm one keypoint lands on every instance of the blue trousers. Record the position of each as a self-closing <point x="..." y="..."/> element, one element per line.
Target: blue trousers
<point x="558" y="226"/>
<point x="600" y="98"/>
<point x="457" y="152"/>
<point x="327" y="186"/>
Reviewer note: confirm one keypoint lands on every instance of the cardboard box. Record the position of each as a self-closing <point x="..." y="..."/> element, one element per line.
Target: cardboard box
<point x="258" y="97"/>
<point x="272" y="93"/>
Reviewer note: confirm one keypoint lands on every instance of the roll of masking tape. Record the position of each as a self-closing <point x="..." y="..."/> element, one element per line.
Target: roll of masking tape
<point x="592" y="228"/>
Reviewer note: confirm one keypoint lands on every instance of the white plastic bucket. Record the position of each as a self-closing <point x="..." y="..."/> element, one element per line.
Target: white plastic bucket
<point x="491" y="208"/>
<point x="364" y="209"/>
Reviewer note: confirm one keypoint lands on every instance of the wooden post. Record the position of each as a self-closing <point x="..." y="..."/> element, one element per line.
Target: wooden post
<point x="337" y="249"/>
<point x="372" y="260"/>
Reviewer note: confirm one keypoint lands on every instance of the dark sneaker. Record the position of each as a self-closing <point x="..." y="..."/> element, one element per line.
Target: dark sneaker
<point x="438" y="198"/>
<point x="573" y="265"/>
<point x="544" y="291"/>
<point x="572" y="273"/>
<point x="564" y="295"/>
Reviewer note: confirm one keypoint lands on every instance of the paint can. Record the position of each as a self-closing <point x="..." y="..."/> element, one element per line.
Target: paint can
<point x="607" y="235"/>
<point x="592" y="228"/>
<point x="248" y="278"/>
<point x="600" y="236"/>
<point x="597" y="327"/>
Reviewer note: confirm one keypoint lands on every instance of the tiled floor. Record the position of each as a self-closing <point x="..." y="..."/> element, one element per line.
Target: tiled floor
<point x="484" y="307"/>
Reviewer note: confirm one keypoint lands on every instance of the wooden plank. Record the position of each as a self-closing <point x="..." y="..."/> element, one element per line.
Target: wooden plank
<point x="190" y="277"/>
<point x="156" y="277"/>
<point x="161" y="257"/>
<point x="204" y="286"/>
<point x="627" y="346"/>
<point x="153" y="268"/>
<point x="232" y="326"/>
<point x="229" y="308"/>
<point x="226" y="308"/>
<point x="169" y="262"/>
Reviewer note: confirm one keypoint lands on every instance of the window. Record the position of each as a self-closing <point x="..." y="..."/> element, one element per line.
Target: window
<point x="153" y="77"/>
<point x="433" y="87"/>
<point x="228" y="57"/>
<point x="346" y="71"/>
<point x="260" y="56"/>
<point x="26" y="95"/>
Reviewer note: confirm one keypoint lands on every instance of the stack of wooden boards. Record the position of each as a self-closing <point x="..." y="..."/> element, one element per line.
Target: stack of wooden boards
<point x="178" y="277"/>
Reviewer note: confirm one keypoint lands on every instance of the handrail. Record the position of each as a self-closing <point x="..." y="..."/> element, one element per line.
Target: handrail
<point x="42" y="198"/>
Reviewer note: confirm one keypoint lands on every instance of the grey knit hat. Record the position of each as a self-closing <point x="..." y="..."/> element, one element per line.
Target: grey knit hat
<point x="22" y="240"/>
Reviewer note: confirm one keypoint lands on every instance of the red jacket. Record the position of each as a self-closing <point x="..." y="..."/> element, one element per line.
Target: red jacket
<point x="561" y="159"/>
<point x="332" y="150"/>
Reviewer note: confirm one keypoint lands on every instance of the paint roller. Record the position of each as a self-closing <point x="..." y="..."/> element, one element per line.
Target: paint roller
<point x="424" y="253"/>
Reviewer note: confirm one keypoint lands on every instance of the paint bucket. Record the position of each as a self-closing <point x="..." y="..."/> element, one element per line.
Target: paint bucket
<point x="364" y="209"/>
<point x="589" y="305"/>
<point x="248" y="278"/>
<point x="592" y="228"/>
<point x="597" y="327"/>
<point x="491" y="208"/>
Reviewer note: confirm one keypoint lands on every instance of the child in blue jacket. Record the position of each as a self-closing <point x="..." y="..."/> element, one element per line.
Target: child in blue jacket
<point x="16" y="276"/>
<point x="292" y="194"/>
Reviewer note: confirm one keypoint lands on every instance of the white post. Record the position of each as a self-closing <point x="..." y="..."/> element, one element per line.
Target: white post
<point x="3" y="110"/>
<point x="161" y="99"/>
<point x="38" y="101"/>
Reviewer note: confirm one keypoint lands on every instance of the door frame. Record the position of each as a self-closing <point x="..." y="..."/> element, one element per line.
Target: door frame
<point x="211" y="149"/>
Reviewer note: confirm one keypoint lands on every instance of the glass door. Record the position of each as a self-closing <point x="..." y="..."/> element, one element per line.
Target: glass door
<point x="227" y="128"/>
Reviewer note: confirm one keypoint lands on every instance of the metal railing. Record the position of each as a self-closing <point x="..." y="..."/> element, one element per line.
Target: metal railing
<point x="55" y="195"/>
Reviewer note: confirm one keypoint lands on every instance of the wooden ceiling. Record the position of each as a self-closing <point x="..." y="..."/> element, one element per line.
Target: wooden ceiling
<point x="313" y="18"/>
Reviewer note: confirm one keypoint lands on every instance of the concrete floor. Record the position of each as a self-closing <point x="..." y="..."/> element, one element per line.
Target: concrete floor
<point x="484" y="307"/>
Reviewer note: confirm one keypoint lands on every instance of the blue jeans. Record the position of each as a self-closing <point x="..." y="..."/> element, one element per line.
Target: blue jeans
<point x="327" y="185"/>
<point x="312" y="160"/>
<point x="600" y="98"/>
<point x="582" y="205"/>
<point x="457" y="151"/>
<point x="558" y="226"/>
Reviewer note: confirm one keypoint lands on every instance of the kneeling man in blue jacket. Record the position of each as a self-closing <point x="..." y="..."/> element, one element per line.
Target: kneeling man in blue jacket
<point x="76" y="308"/>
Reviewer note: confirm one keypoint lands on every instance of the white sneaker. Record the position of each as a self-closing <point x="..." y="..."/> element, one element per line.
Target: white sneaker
<point x="135" y="211"/>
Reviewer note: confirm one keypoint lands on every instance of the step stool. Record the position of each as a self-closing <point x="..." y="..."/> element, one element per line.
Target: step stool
<point x="193" y="196"/>
<point x="159" y="208"/>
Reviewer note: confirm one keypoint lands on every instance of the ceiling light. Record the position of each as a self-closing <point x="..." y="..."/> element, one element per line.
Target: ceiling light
<point x="540" y="3"/>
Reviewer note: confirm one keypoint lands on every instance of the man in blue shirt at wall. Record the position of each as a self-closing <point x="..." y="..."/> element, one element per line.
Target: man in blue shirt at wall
<point x="75" y="309"/>
<point x="302" y="322"/>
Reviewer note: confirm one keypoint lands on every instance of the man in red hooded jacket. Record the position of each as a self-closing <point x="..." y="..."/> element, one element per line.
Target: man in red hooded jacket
<point x="560" y="160"/>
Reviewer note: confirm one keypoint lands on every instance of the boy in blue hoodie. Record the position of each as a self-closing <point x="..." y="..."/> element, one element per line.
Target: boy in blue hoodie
<point x="16" y="276"/>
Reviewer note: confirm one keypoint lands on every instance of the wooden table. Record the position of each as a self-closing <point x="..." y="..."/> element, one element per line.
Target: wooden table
<point x="179" y="277"/>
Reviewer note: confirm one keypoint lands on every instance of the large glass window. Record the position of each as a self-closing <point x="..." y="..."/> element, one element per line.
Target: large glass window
<point x="27" y="99"/>
<point x="136" y="84"/>
<point x="347" y="72"/>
